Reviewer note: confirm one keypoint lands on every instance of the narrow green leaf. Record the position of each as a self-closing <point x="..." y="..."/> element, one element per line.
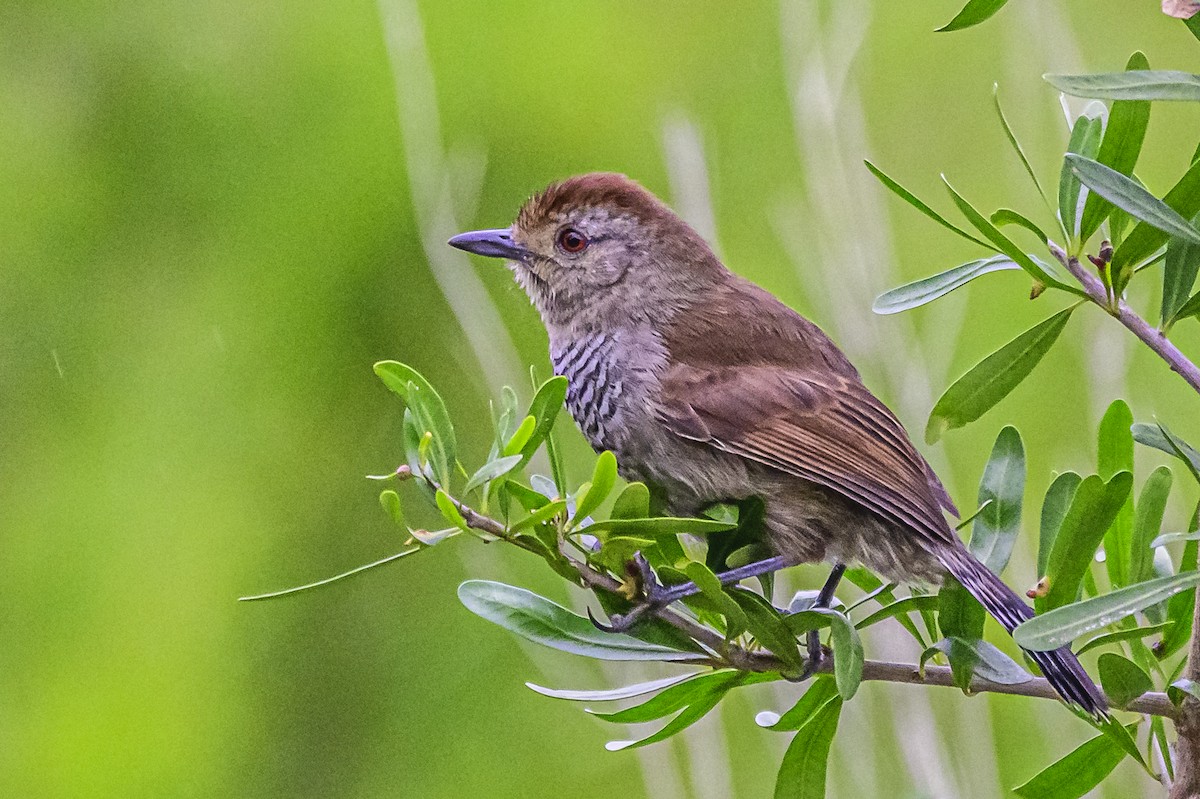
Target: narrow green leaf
<point x="1054" y="509"/>
<point x="1085" y="140"/>
<point x="959" y="614"/>
<point x="544" y="407"/>
<point x="390" y="502"/>
<point x="1179" y="275"/>
<point x="1181" y="606"/>
<point x="655" y="527"/>
<point x="1007" y="216"/>
<point x="1138" y="84"/>
<point x="847" y="653"/>
<point x="973" y="13"/>
<point x="1092" y="511"/>
<point x="426" y="405"/>
<point x="1078" y="772"/>
<point x="604" y="477"/>
<point x="609" y="695"/>
<point x="1116" y="455"/>
<point x="1161" y="438"/>
<point x="986" y="662"/>
<point x="1121" y="635"/>
<point x="328" y="580"/>
<point x="823" y="689"/>
<point x="694" y="711"/>
<point x="711" y="588"/>
<point x="1145" y="238"/>
<point x="993" y="378"/>
<point x="675" y="697"/>
<point x="450" y="511"/>
<point x="1190" y="308"/>
<point x="1002" y="242"/>
<point x="901" y="606"/>
<point x="802" y="772"/>
<point x="1020" y="151"/>
<point x="544" y="513"/>
<point x="537" y="619"/>
<point x="490" y="471"/>
<point x="1132" y="198"/>
<point x="1151" y="506"/>
<point x="1062" y="625"/>
<point x="1120" y="147"/>
<point x="928" y="289"/>
<point x="520" y="437"/>
<point x="1122" y="679"/>
<point x="768" y="629"/>
<point x="1000" y="492"/>
<point x="912" y="200"/>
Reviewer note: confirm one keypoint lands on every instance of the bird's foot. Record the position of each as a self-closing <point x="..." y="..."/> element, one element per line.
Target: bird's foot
<point x="642" y="582"/>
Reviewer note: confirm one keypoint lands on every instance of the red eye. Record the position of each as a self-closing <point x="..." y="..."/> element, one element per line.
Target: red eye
<point x="572" y="241"/>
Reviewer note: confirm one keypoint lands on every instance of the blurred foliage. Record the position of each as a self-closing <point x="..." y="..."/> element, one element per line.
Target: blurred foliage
<point x="209" y="234"/>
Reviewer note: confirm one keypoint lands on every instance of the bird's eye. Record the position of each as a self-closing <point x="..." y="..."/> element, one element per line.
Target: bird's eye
<point x="571" y="241"/>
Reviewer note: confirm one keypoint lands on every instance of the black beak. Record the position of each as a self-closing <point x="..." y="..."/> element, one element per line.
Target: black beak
<point x="490" y="243"/>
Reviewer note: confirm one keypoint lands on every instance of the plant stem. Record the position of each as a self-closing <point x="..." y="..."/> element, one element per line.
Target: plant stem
<point x="1187" y="727"/>
<point x="1156" y="340"/>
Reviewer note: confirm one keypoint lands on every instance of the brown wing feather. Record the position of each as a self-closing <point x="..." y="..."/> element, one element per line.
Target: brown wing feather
<point x="826" y="428"/>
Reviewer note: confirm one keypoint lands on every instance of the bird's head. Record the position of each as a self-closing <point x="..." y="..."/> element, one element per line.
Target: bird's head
<point x="597" y="250"/>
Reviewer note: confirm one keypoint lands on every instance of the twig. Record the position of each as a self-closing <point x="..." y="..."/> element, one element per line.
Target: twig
<point x="728" y="654"/>
<point x="1154" y="339"/>
<point x="1187" y="727"/>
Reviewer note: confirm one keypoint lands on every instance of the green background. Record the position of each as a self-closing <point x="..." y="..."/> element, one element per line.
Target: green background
<point x="217" y="216"/>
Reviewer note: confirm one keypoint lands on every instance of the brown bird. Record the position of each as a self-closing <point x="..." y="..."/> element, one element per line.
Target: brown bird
<point x="709" y="389"/>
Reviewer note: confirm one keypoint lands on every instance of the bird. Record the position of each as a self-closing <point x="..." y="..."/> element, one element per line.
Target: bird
<point x="707" y="388"/>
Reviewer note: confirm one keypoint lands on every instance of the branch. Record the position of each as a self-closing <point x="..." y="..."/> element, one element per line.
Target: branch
<point x="1187" y="727"/>
<point x="728" y="654"/>
<point x="1156" y="340"/>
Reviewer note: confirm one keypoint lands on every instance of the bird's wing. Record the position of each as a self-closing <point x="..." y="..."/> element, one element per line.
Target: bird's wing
<point x="827" y="428"/>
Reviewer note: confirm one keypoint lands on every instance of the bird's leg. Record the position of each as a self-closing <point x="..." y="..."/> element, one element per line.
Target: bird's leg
<point x="656" y="596"/>
<point x="824" y="599"/>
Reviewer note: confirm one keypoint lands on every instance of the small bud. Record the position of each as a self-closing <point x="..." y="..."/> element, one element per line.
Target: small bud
<point x="1036" y="290"/>
<point x="1106" y="250"/>
<point x="403" y="472"/>
<point x="1099" y="263"/>
<point x="1040" y="590"/>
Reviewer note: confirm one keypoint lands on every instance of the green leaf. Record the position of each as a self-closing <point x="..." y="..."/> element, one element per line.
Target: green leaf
<point x="1078" y="772"/>
<point x="604" y="477"/>
<point x="1116" y="455"/>
<point x="1122" y="679"/>
<point x="320" y="583"/>
<point x="1016" y="145"/>
<point x="768" y="629"/>
<point x="1085" y="139"/>
<point x="608" y="695"/>
<point x="1120" y="147"/>
<point x="537" y="619"/>
<point x="428" y="409"/>
<point x="1000" y="492"/>
<point x="1002" y="242"/>
<point x="695" y="710"/>
<point x="520" y="437"/>
<point x="681" y="694"/>
<point x="1179" y="275"/>
<point x="544" y="513"/>
<point x="993" y="378"/>
<point x="1007" y="216"/>
<point x="973" y="13"/>
<point x="960" y="616"/>
<point x="802" y="772"/>
<point x="928" y="289"/>
<point x="1145" y="238"/>
<point x="1130" y="197"/>
<point x="656" y="526"/>
<point x="1092" y="511"/>
<point x="544" y="407"/>
<point x="847" y="652"/>
<point x="901" y="606"/>
<point x="1139" y="84"/>
<point x="1151" y="506"/>
<point x="912" y="200"/>
<point x="390" y="502"/>
<point x="451" y="513"/>
<point x="711" y="588"/>
<point x="982" y="660"/>
<point x="1054" y="509"/>
<point x="816" y="697"/>
<point x="1190" y="308"/>
<point x="1161" y="438"/>
<point x="632" y="503"/>
<point x="1062" y="625"/>
<point x="1179" y="688"/>
<point x="1181" y="606"/>
<point x="490" y="471"/>
<point x="1121" y="635"/>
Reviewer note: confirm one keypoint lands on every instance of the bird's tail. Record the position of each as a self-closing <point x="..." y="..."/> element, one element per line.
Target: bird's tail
<point x="1061" y="667"/>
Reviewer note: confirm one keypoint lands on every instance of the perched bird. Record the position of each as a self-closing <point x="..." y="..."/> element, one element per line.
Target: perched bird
<point x="709" y="389"/>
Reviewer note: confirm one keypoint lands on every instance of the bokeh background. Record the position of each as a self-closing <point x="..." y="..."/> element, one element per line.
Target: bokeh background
<point x="215" y="216"/>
